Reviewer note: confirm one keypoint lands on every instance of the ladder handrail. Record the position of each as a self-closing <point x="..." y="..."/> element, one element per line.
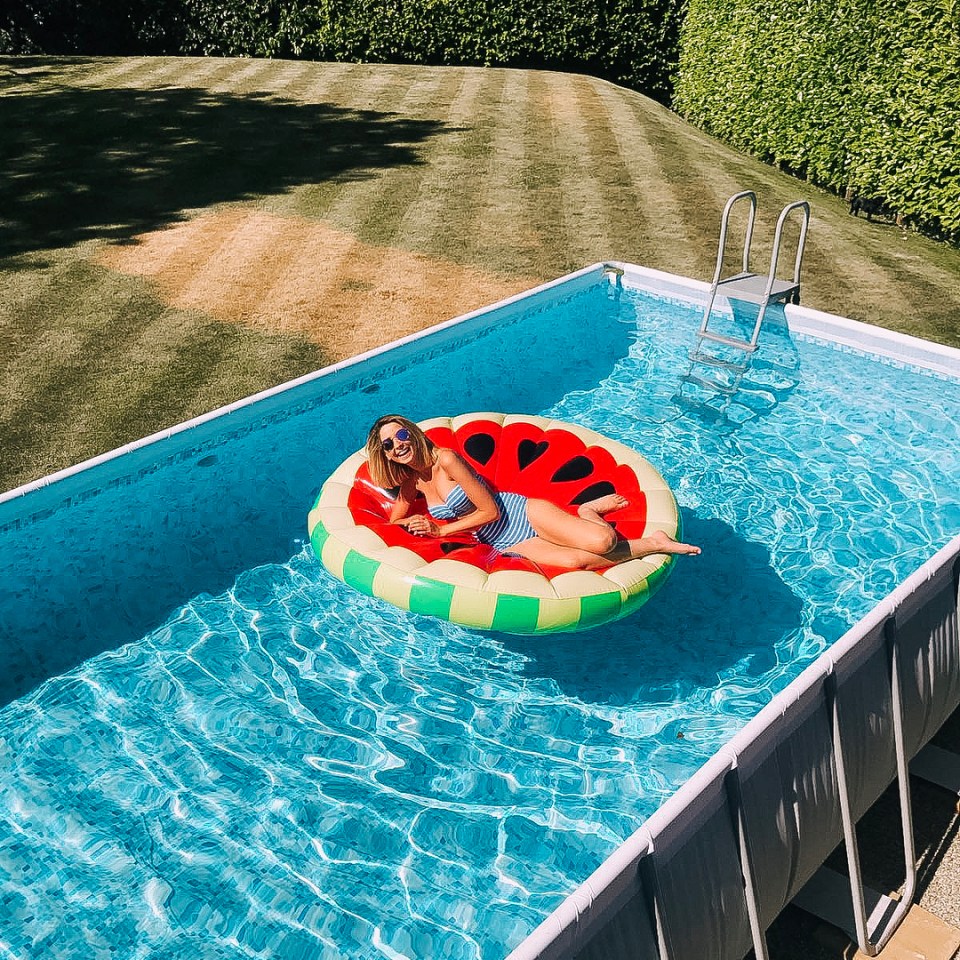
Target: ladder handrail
<point x="791" y="290"/>
<point x="775" y="256"/>
<point x="724" y="221"/>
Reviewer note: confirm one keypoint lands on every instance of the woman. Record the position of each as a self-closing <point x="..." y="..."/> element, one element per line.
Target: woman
<point x="401" y="455"/>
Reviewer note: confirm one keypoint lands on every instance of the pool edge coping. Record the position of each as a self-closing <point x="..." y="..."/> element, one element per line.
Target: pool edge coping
<point x="805" y="321"/>
<point x="244" y="403"/>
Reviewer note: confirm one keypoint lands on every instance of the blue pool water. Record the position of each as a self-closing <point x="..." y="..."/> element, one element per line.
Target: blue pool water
<point x="234" y="755"/>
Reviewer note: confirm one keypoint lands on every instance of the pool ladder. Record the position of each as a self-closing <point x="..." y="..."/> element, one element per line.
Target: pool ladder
<point x="719" y="361"/>
<point x="751" y="287"/>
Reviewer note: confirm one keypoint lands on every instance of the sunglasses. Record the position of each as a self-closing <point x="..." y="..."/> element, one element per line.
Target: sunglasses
<point x="403" y="434"/>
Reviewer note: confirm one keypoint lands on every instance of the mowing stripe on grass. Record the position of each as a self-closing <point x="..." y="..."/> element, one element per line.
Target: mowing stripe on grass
<point x="681" y="162"/>
<point x="361" y="200"/>
<point x="251" y="243"/>
<point x="651" y="199"/>
<point x="462" y="172"/>
<point x="418" y="199"/>
<point x="67" y="383"/>
<point x="503" y="238"/>
<point x="179" y="251"/>
<point x="622" y="155"/>
<point x="118" y="71"/>
<point x="251" y="76"/>
<point x="350" y="90"/>
<point x="42" y="354"/>
<point x="312" y="280"/>
<point x="74" y="358"/>
<point x="206" y="73"/>
<point x="423" y="195"/>
<point x="186" y="373"/>
<point x="862" y="269"/>
<point x="23" y="291"/>
<point x="584" y="210"/>
<point x="542" y="174"/>
<point x="151" y="74"/>
<point x="297" y="82"/>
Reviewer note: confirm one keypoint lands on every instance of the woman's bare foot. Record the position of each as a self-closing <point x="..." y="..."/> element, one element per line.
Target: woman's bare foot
<point x="602" y="505"/>
<point x="661" y="542"/>
<point x="657" y="542"/>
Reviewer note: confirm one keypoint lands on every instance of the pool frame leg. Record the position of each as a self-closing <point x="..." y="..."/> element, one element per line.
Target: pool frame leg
<point x="867" y="945"/>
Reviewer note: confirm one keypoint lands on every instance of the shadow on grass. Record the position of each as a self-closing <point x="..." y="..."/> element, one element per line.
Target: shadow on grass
<point x="82" y="163"/>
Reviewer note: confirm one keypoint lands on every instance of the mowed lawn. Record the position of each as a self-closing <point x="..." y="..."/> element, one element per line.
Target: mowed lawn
<point x="178" y="233"/>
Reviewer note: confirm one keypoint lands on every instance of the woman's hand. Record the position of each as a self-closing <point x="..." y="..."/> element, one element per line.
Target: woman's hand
<point x="421" y="526"/>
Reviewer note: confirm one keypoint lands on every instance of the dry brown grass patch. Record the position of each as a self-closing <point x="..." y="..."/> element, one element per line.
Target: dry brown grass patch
<point x="299" y="276"/>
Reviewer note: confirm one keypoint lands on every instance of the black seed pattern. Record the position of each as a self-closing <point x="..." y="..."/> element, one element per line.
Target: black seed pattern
<point x="576" y="469"/>
<point x="480" y="447"/>
<point x="594" y="491"/>
<point x="529" y="450"/>
<point x="450" y="547"/>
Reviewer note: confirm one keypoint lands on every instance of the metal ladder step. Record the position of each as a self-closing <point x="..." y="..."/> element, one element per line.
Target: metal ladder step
<point x="712" y="360"/>
<point x="753" y="288"/>
<point x="709" y="384"/>
<point x="728" y="341"/>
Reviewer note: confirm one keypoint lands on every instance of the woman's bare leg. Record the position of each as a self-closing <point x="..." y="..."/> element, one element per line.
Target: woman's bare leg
<point x="596" y="510"/>
<point x="656" y="542"/>
<point x="558" y="555"/>
<point x="555" y="555"/>
<point x="586" y="531"/>
<point x="587" y="541"/>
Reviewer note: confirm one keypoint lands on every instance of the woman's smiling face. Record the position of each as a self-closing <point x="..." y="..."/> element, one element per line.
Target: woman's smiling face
<point x="395" y="440"/>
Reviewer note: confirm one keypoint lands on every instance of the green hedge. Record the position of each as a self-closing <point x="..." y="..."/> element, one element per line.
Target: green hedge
<point x="631" y="42"/>
<point x="854" y="95"/>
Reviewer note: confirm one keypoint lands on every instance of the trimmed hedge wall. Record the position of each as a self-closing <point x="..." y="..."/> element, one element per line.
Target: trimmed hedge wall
<point x="631" y="42"/>
<point x="857" y="96"/>
<point x="94" y="28"/>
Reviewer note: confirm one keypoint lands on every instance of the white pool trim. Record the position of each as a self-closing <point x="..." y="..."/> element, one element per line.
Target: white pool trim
<point x="802" y="320"/>
<point x="830" y="327"/>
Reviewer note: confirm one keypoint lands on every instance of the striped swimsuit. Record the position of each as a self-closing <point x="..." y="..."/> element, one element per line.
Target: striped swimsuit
<point x="509" y="529"/>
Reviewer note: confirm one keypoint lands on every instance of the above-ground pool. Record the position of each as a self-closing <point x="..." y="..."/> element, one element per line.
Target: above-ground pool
<point x="211" y="748"/>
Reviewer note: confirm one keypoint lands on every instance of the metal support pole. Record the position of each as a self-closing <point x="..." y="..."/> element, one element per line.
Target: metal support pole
<point x="735" y="808"/>
<point x="867" y="945"/>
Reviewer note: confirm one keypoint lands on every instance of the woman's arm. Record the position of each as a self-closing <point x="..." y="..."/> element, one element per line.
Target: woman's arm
<point x="486" y="507"/>
<point x="404" y="502"/>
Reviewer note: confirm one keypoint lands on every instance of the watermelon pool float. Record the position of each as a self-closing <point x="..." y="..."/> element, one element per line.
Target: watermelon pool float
<point x="473" y="584"/>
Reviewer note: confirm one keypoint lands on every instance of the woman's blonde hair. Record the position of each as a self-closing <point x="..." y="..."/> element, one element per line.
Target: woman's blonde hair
<point x="383" y="471"/>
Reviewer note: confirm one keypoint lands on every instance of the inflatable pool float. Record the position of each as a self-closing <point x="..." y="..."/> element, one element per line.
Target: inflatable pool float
<point x="472" y="584"/>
